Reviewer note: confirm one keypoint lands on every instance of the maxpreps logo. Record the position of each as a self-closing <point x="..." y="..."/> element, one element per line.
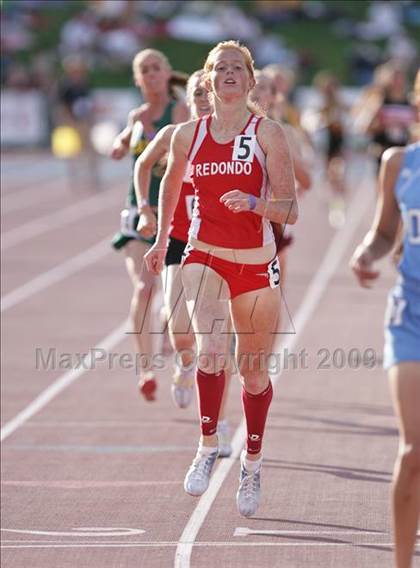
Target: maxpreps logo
<point x="254" y="437"/>
<point x="222" y="168"/>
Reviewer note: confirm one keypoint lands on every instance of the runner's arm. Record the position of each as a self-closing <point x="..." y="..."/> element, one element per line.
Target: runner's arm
<point x="153" y="152"/>
<point x="121" y="143"/>
<point x="381" y="237"/>
<point x="171" y="183"/>
<point x="282" y="206"/>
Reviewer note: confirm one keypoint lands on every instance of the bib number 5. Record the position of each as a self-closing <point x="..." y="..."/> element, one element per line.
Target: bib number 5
<point x="274" y="273"/>
<point x="244" y="148"/>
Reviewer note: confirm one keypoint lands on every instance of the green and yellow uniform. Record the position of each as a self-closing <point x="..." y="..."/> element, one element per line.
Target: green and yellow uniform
<point x="129" y="215"/>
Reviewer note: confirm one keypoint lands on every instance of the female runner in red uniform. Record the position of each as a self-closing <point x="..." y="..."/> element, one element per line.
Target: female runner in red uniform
<point x="179" y="325"/>
<point x="243" y="179"/>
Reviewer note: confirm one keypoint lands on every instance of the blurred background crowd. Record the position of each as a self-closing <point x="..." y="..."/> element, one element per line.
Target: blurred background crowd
<point x="349" y="38"/>
<point x="337" y="64"/>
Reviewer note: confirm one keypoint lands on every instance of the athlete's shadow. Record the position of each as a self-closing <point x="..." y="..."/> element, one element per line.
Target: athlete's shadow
<point x="359" y="408"/>
<point x="353" y="473"/>
<point x="317" y="525"/>
<point x="305" y="538"/>
<point x="347" y="426"/>
<point x="382" y="547"/>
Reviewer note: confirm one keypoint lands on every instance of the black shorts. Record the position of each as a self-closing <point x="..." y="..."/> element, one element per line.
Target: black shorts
<point x="175" y="251"/>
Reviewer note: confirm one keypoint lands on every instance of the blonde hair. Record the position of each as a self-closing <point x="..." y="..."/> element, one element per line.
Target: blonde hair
<point x="197" y="75"/>
<point x="230" y="44"/>
<point x="253" y="106"/>
<point x="141" y="56"/>
<point x="177" y="80"/>
<point x="275" y="69"/>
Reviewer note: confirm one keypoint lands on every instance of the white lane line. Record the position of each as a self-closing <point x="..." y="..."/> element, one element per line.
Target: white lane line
<point x="110" y="424"/>
<point x="62" y="383"/>
<point x="53" y="189"/>
<point x="80" y="484"/>
<point x="56" y="274"/>
<point x="359" y="205"/>
<point x="98" y="449"/>
<point x="198" y="544"/>
<point x="17" y="182"/>
<point x="243" y="531"/>
<point x="58" y="219"/>
<point x="23" y="198"/>
<point x="82" y="531"/>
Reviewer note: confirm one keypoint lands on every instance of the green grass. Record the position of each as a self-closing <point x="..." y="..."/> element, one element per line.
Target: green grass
<point x="356" y="9"/>
<point x="328" y="50"/>
<point x="184" y="55"/>
<point x="47" y="38"/>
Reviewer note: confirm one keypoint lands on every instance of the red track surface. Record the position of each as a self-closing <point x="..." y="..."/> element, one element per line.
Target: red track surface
<point x="95" y="456"/>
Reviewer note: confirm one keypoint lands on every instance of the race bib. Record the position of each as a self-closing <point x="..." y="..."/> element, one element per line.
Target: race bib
<point x="138" y="141"/>
<point x="244" y="148"/>
<point x="129" y="221"/>
<point x="394" y="311"/>
<point x="413" y="226"/>
<point x="273" y="271"/>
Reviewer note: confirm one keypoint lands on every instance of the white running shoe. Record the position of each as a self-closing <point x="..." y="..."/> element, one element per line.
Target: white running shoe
<point x="223" y="435"/>
<point x="182" y="387"/>
<point x="198" y="476"/>
<point x="248" y="495"/>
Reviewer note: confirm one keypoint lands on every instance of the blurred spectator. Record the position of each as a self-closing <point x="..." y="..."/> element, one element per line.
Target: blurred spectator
<point x="207" y="22"/>
<point x="401" y="48"/>
<point x="43" y="68"/>
<point x="332" y="114"/>
<point x="384" y="112"/>
<point x="75" y="108"/>
<point x="15" y="35"/>
<point x="267" y="48"/>
<point x="117" y="43"/>
<point x="364" y="57"/>
<point x="78" y="34"/>
<point x="385" y="19"/>
<point x="18" y="77"/>
<point x="74" y="95"/>
<point x="284" y="81"/>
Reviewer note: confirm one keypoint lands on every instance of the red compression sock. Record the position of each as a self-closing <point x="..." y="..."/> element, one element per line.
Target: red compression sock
<point x="256" y="409"/>
<point x="210" y="391"/>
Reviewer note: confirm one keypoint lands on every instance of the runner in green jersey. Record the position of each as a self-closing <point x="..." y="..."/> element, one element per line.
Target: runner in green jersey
<point x="153" y="75"/>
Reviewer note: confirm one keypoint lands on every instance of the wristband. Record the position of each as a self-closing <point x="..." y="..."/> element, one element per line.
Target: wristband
<point x="143" y="203"/>
<point x="252" y="201"/>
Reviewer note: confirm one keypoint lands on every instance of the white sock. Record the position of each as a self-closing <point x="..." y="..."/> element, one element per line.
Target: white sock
<point x="250" y="465"/>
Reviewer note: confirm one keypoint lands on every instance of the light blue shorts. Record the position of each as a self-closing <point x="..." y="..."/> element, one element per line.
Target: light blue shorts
<point x="402" y="325"/>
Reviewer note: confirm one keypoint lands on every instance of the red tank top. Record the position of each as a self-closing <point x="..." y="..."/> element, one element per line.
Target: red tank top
<point x="219" y="168"/>
<point x="183" y="213"/>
